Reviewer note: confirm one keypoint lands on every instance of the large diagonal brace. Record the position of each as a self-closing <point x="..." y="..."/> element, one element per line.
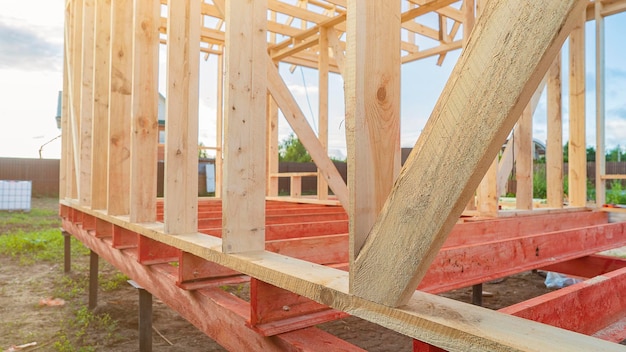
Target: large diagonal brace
<point x="508" y="54"/>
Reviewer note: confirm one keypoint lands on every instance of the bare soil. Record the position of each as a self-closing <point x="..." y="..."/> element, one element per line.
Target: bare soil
<point x="114" y="328"/>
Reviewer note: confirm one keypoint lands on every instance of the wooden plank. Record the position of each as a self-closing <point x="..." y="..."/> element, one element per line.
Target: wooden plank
<point x="423" y="9"/>
<point x="434" y="51"/>
<point x="463" y="266"/>
<point x="469" y="18"/>
<point x="322" y="185"/>
<point x="506" y="161"/>
<point x="86" y="102"/>
<point x="74" y="95"/>
<point x="433" y="319"/>
<point x="219" y="127"/>
<point x="524" y="163"/>
<point x="118" y="198"/>
<point x="372" y="89"/>
<point x="577" y="159"/>
<point x="145" y="111"/>
<point x="487" y="193"/>
<point x="554" y="144"/>
<point x="475" y="117"/>
<point x="600" y="106"/>
<point x="181" y="129"/>
<point x="272" y="146"/>
<point x="586" y="307"/>
<point x="337" y="49"/>
<point x="244" y="147"/>
<point x="303" y="130"/>
<point x="64" y="175"/>
<point x="100" y="131"/>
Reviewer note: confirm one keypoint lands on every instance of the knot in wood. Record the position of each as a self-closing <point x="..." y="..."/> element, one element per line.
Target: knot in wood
<point x="381" y="93"/>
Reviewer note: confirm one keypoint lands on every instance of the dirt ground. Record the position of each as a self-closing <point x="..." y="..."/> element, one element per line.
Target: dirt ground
<point x="113" y="324"/>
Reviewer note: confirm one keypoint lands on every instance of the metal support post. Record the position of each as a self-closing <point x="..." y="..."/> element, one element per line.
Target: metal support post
<point x="477" y="295"/>
<point x="67" y="257"/>
<point x="145" y="318"/>
<point x="93" y="279"/>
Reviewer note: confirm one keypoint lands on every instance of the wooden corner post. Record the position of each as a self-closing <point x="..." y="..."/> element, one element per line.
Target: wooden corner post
<point x="244" y="127"/>
<point x="511" y="48"/>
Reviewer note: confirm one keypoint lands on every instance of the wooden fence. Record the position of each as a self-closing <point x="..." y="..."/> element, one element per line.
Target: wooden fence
<point x="44" y="173"/>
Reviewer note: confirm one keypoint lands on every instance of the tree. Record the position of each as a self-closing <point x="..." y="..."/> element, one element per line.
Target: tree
<point x="616" y="154"/>
<point x="291" y="149"/>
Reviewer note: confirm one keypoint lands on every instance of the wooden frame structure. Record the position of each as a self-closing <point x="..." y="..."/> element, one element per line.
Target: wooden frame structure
<point x="396" y="230"/>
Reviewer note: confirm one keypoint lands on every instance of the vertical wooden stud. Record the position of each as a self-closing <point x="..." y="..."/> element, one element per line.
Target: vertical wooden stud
<point x="245" y="106"/>
<point x="372" y="82"/>
<point x="219" y="130"/>
<point x="554" y="146"/>
<point x="118" y="198"/>
<point x="145" y="110"/>
<point x="272" y="146"/>
<point x="577" y="170"/>
<point x="181" y="127"/>
<point x="487" y="193"/>
<point x="75" y="96"/>
<point x="524" y="160"/>
<point x="86" y="102"/>
<point x="469" y="17"/>
<point x="100" y="126"/>
<point x="600" y="107"/>
<point x="322" y="185"/>
<point x="64" y="176"/>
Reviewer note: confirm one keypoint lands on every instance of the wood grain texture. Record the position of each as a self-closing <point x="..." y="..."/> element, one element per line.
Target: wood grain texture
<point x="145" y="111"/>
<point x="524" y="163"/>
<point x="577" y="158"/>
<point x="322" y="185"/>
<point x="245" y="127"/>
<point x="303" y="130"/>
<point x="86" y="102"/>
<point x="181" y="129"/>
<point x="600" y="105"/>
<point x="100" y="128"/>
<point x="372" y="90"/>
<point x="512" y="46"/>
<point x="118" y="199"/>
<point x="554" y="145"/>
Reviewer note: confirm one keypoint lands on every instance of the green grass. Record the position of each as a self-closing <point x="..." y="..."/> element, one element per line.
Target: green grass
<point x="43" y="245"/>
<point x="76" y="331"/>
<point x="35" y="237"/>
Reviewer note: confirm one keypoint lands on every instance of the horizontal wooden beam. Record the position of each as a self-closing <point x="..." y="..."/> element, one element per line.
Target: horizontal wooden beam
<point x="586" y="307"/>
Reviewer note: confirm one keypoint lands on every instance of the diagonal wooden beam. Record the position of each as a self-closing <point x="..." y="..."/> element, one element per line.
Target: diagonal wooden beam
<point x="425" y="8"/>
<point x="296" y="119"/>
<point x="508" y="53"/>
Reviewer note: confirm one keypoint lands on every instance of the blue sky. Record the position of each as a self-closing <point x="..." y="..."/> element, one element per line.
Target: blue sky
<point x="31" y="45"/>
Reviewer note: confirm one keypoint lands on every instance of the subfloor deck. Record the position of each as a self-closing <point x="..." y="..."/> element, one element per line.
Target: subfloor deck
<point x="477" y="250"/>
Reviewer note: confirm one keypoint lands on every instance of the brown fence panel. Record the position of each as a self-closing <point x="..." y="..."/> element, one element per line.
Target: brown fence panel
<point x="44" y="174"/>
